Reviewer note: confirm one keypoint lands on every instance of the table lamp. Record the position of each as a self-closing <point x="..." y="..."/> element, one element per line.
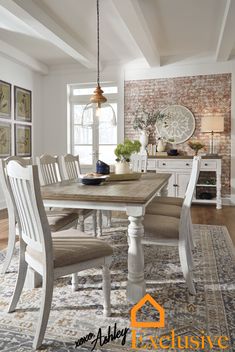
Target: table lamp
<point x="212" y="124"/>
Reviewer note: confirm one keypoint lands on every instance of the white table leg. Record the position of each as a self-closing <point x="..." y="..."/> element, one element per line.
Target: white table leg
<point x="164" y="190"/>
<point x="100" y="222"/>
<point x="218" y="190"/>
<point x="136" y="283"/>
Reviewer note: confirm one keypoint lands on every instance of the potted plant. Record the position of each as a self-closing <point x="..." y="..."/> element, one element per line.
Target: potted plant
<point x="123" y="153"/>
<point x="145" y="122"/>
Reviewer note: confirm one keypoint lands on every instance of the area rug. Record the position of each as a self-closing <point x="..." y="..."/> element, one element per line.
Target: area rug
<point x="76" y="314"/>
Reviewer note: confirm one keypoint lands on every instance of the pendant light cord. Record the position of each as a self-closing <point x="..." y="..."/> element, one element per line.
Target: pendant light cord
<point x="98" y="42"/>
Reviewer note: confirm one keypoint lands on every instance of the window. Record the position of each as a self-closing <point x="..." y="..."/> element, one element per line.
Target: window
<point x="97" y="142"/>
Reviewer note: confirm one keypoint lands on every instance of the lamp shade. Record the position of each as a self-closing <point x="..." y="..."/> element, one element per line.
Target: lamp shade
<point x="212" y="123"/>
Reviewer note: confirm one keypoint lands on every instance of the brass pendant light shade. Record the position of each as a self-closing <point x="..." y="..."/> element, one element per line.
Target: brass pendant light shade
<point x="98" y="97"/>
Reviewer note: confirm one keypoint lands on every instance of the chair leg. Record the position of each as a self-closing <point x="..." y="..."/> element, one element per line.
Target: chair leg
<point x="94" y="218"/>
<point x="186" y="267"/>
<point x="81" y="223"/>
<point x="106" y="290"/>
<point x="74" y="282"/>
<point x="109" y="218"/>
<point x="47" y="293"/>
<point x="19" y="282"/>
<point x="100" y="222"/>
<point x="11" y="243"/>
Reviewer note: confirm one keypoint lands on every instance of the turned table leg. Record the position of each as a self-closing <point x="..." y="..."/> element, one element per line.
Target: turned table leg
<point x="136" y="283"/>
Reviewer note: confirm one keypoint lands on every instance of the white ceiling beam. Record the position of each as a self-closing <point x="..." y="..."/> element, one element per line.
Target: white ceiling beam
<point x="31" y="14"/>
<point x="138" y="28"/>
<point x="22" y="58"/>
<point x="226" y="36"/>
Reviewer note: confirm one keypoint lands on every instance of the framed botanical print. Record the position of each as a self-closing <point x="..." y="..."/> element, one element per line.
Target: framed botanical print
<point x="23" y="140"/>
<point x="5" y="139"/>
<point x="5" y="100"/>
<point x="23" y="104"/>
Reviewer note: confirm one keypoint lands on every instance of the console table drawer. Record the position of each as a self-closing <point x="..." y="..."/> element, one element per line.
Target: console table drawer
<point x="174" y="164"/>
<point x="211" y="164"/>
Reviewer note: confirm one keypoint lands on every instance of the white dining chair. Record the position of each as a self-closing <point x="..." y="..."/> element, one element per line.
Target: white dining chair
<point x="49" y="173"/>
<point x="58" y="220"/>
<point x="173" y="231"/>
<point x="70" y="169"/>
<point x="139" y="162"/>
<point x="163" y="206"/>
<point x="51" y="257"/>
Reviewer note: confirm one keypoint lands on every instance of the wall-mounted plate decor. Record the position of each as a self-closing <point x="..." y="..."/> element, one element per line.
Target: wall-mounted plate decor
<point x="5" y="100"/>
<point x="176" y="125"/>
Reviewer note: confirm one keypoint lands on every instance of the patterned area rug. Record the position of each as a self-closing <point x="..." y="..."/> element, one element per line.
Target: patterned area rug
<point x="74" y="315"/>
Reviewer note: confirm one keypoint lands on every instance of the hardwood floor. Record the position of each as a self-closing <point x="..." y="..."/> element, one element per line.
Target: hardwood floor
<point x="201" y="214"/>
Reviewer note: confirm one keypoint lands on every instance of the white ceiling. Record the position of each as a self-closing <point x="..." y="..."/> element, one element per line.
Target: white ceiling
<point x="60" y="32"/>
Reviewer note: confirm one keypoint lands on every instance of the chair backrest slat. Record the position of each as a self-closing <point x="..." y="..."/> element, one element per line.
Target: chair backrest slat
<point x="48" y="169"/>
<point x="139" y="162"/>
<point x="25" y="193"/>
<point x="69" y="166"/>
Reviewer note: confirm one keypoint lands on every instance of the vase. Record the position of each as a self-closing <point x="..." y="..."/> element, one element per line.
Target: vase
<point x="144" y="142"/>
<point x="122" y="167"/>
<point x="161" y="146"/>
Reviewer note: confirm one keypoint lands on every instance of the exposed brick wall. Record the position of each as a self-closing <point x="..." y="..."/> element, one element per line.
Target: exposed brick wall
<point x="200" y="94"/>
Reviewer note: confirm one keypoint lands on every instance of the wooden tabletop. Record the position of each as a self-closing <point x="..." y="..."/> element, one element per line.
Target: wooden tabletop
<point x="137" y="191"/>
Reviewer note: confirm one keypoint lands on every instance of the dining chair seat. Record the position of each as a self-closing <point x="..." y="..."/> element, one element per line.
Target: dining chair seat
<point x="71" y="247"/>
<point x="164" y="209"/>
<point x="168" y="200"/>
<point x="160" y="228"/>
<point x="60" y="219"/>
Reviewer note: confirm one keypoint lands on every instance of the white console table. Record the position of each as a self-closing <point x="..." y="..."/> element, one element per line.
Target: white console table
<point x="180" y="168"/>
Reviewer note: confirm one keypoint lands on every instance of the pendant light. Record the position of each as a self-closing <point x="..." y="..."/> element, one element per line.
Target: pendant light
<point x="98" y="102"/>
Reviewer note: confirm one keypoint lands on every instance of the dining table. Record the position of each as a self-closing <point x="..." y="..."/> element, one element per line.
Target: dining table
<point x="130" y="196"/>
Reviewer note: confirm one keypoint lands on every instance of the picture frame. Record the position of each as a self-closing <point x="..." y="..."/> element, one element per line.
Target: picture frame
<point x="5" y="100"/>
<point x="23" y="104"/>
<point x="5" y="139"/>
<point x="23" y="140"/>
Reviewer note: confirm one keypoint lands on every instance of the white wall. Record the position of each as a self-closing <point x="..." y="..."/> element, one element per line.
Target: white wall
<point x="183" y="70"/>
<point x="21" y="76"/>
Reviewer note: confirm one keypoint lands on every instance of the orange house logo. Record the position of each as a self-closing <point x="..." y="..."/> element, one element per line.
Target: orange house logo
<point x="147" y="324"/>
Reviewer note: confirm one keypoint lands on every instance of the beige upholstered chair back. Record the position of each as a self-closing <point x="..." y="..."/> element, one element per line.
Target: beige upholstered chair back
<point x="69" y="166"/>
<point x="48" y="169"/>
<point x="139" y="162"/>
<point x="26" y="197"/>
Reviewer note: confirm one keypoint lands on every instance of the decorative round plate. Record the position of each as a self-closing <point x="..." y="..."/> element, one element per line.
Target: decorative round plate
<point x="177" y="124"/>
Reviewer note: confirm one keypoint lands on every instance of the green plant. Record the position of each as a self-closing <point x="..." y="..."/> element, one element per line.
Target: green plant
<point x="146" y="121"/>
<point x="124" y="150"/>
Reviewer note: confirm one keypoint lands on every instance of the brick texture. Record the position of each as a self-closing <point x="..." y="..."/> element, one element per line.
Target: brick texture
<point x="200" y="94"/>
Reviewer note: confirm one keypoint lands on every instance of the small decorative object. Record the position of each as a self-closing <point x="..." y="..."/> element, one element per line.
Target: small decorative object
<point x="144" y="141"/>
<point x="22" y="140"/>
<point x="23" y="104"/>
<point x="5" y="139"/>
<point x="93" y="179"/>
<point x="5" y="100"/>
<point x="196" y="146"/>
<point x="176" y="122"/>
<point x="123" y="153"/>
<point x="161" y="145"/>
<point x="102" y="168"/>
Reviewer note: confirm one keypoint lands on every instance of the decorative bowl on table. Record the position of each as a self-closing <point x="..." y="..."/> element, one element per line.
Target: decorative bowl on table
<point x="92" y="179"/>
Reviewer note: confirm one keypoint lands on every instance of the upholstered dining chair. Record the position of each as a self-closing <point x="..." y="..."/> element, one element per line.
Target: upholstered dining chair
<point x="139" y="162"/>
<point x="58" y="220"/>
<point x="174" y="231"/>
<point x="173" y="206"/>
<point x="49" y="173"/>
<point x="51" y="257"/>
